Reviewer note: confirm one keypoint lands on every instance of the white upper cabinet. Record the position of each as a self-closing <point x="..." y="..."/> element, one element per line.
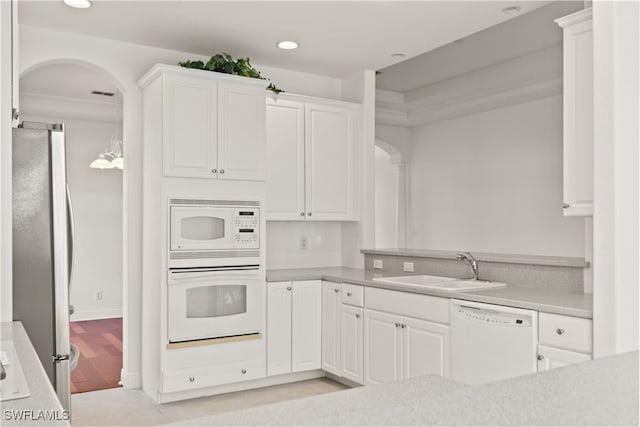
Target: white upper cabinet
<point x="213" y="124"/>
<point x="578" y="113"/>
<point x="329" y="162"/>
<point x="310" y="159"/>
<point x="285" y="160"/>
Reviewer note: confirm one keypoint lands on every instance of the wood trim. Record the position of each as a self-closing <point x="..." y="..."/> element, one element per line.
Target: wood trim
<point x="187" y="344"/>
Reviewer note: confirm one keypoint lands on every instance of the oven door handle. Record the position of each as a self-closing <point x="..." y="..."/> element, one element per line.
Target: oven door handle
<point x="213" y="275"/>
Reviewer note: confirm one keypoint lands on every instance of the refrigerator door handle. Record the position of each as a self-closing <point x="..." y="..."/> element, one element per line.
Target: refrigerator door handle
<point x="71" y="241"/>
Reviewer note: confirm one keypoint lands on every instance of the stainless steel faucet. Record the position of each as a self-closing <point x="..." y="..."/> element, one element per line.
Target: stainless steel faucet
<point x="469" y="259"/>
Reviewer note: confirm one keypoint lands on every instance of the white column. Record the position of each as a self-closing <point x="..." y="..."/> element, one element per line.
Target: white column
<point x="401" y="202"/>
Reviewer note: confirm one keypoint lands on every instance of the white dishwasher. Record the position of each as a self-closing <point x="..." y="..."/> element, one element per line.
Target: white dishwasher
<point x="491" y="342"/>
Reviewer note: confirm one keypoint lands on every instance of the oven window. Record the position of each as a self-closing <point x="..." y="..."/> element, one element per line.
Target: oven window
<point x="202" y="228"/>
<point x="216" y="301"/>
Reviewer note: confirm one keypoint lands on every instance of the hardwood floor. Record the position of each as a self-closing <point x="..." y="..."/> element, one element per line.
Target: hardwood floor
<point x="100" y="363"/>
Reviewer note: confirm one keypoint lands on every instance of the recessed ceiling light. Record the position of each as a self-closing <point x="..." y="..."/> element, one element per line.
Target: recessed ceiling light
<point x="398" y="55"/>
<point x="78" y="4"/>
<point x="511" y="9"/>
<point x="287" y="45"/>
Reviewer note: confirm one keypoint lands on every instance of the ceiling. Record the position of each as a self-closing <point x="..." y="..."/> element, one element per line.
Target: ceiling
<point x="524" y="34"/>
<point x="68" y="81"/>
<point x="336" y="38"/>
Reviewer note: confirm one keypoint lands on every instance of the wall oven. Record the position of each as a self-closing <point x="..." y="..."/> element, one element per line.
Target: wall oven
<point x="213" y="232"/>
<point x="215" y="302"/>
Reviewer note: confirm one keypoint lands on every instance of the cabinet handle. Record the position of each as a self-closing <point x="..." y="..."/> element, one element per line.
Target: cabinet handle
<point x="336" y="290"/>
<point x="397" y="325"/>
<point x="403" y="326"/>
<point x="566" y="206"/>
<point x="349" y="294"/>
<point x="301" y="213"/>
<point x="288" y="288"/>
<point x="560" y="331"/>
<point x="191" y="379"/>
<point x="309" y="213"/>
<point x="221" y="170"/>
<point x="357" y="316"/>
<point x="214" y="170"/>
<point x="244" y="371"/>
<point x="540" y="357"/>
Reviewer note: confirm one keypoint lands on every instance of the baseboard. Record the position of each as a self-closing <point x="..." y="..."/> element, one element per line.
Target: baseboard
<point x="130" y="379"/>
<point x="344" y="381"/>
<point x="109" y="313"/>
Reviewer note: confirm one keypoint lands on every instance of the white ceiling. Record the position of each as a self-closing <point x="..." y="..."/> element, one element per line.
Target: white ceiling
<point x="68" y="81"/>
<point x="519" y="36"/>
<point x="336" y="38"/>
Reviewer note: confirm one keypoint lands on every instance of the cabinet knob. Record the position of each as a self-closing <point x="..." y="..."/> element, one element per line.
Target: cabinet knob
<point x="560" y="331"/>
<point x="565" y="206"/>
<point x="308" y="213"/>
<point x="357" y="316"/>
<point x="221" y="170"/>
<point x="288" y="288"/>
<point x="336" y="290"/>
<point x="191" y="379"/>
<point x="403" y="326"/>
<point x="214" y="170"/>
<point x="301" y="213"/>
<point x="349" y="294"/>
<point x="540" y="357"/>
<point x="244" y="371"/>
<point x="397" y="325"/>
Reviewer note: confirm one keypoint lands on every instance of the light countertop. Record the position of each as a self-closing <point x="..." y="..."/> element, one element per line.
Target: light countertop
<point x="599" y="392"/>
<point x="541" y="299"/>
<point x="43" y="401"/>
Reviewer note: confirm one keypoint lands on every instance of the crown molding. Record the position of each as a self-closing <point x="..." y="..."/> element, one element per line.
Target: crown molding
<point x="38" y="104"/>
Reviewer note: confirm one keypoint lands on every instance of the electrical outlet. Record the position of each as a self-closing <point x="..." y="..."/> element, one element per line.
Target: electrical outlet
<point x="99" y="296"/>
<point x="377" y="263"/>
<point x="408" y="267"/>
<point x="303" y="243"/>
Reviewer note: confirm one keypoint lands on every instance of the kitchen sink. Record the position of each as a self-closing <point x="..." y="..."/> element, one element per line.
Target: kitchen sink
<point x="442" y="283"/>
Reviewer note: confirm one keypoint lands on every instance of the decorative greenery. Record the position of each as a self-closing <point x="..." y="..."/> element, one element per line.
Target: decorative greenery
<point x="224" y="63"/>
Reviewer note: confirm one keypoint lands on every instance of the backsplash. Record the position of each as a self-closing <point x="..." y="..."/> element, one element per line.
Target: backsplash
<point x="559" y="278"/>
<point x="324" y="244"/>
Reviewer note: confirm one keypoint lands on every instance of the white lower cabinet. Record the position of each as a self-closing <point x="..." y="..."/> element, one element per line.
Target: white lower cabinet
<point x="351" y="343"/>
<point x="293" y="326"/>
<point x="397" y="347"/>
<point x="331" y="327"/>
<point x="550" y="358"/>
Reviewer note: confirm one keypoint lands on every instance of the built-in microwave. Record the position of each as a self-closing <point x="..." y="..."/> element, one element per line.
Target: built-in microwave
<point x="203" y="231"/>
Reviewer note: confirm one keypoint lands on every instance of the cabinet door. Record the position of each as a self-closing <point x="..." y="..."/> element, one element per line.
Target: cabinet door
<point x="15" y="69"/>
<point x="306" y="321"/>
<point x="190" y="127"/>
<point x="241" y="132"/>
<point x="329" y="162"/>
<point x="551" y="357"/>
<point x="279" y="328"/>
<point x="351" y="342"/>
<point x="425" y="348"/>
<point x="578" y="119"/>
<point x="331" y="327"/>
<point x="285" y="160"/>
<point x="382" y="347"/>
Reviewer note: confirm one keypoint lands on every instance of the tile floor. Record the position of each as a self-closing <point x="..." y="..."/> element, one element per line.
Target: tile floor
<point x="120" y="407"/>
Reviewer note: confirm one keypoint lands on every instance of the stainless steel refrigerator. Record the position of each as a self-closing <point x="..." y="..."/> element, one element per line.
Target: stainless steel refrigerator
<point x="43" y="247"/>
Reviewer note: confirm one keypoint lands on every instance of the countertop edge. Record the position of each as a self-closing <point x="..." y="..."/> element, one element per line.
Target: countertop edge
<point x="551" y="261"/>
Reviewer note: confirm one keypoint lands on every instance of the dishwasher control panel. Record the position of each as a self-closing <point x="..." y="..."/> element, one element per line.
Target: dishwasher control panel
<point x="492" y="317"/>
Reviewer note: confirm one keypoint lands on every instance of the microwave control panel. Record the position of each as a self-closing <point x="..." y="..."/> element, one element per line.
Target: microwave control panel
<point x="247" y="228"/>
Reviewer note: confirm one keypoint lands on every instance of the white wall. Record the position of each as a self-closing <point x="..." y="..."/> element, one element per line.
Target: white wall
<point x="97" y="204"/>
<point x="386" y="200"/>
<point x="324" y="244"/>
<point x="125" y="63"/>
<point x="492" y="182"/>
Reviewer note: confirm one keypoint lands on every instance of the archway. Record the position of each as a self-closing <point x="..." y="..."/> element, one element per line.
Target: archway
<point x="390" y="196"/>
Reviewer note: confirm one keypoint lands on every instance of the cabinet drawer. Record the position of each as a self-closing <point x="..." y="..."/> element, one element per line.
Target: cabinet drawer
<point x="352" y="294"/>
<point x="423" y="307"/>
<point x="207" y="376"/>
<point x="569" y="333"/>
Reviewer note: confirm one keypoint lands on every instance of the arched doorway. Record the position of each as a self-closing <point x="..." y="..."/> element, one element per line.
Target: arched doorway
<point x="390" y="196"/>
<point x="89" y="101"/>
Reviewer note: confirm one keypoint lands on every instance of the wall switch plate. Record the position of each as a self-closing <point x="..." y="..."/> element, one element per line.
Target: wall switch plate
<point x="303" y="243"/>
<point x="377" y="263"/>
<point x="408" y="266"/>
